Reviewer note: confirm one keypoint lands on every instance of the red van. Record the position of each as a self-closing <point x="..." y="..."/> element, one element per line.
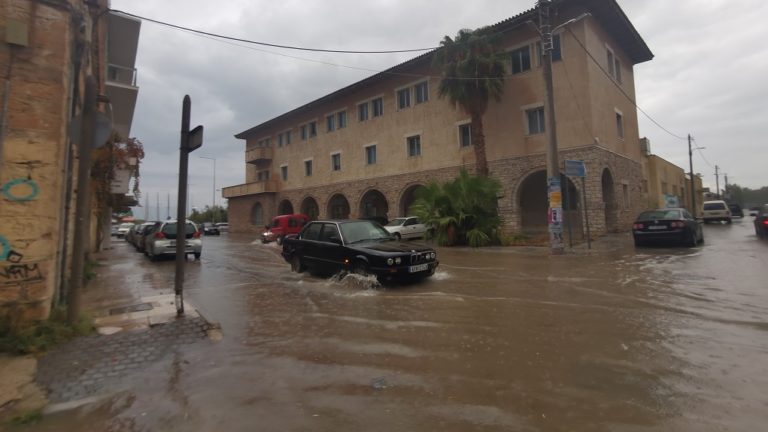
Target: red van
<point x="283" y="225"/>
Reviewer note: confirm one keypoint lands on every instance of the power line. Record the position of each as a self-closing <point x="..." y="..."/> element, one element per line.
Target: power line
<point x="267" y="43"/>
<point x="621" y="89"/>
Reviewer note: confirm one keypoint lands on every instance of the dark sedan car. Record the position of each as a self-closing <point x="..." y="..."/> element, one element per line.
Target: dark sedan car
<point x="210" y="229"/>
<point x="359" y="246"/>
<point x="667" y="225"/>
<point x="761" y="222"/>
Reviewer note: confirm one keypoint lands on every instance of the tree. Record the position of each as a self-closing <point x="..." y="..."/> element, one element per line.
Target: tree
<point x="208" y="213"/>
<point x="473" y="72"/>
<point x="462" y="211"/>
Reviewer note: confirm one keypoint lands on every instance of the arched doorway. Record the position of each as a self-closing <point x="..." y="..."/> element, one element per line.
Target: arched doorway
<point x="338" y="207"/>
<point x="609" y="201"/>
<point x="534" y="205"/>
<point x="310" y="208"/>
<point x="285" y="208"/>
<point x="408" y="198"/>
<point x="257" y="214"/>
<point x="373" y="204"/>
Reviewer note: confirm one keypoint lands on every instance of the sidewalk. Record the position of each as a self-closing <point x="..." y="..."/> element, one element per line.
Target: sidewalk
<point x="137" y="324"/>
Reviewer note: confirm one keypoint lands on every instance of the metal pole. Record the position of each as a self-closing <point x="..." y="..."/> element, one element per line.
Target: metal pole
<point x="181" y="219"/>
<point x="693" y="183"/>
<point x="554" y="190"/>
<point x="83" y="202"/>
<point x="717" y="181"/>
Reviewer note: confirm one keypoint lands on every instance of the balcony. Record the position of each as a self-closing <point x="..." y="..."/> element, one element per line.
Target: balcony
<point x="258" y="154"/>
<point x="249" y="189"/>
<point x="122" y="44"/>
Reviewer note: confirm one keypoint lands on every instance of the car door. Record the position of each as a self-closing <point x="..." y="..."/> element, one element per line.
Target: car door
<point x="330" y="252"/>
<point x="305" y="245"/>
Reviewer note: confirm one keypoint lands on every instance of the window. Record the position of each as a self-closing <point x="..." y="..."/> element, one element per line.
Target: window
<point x="341" y="119"/>
<point x="262" y="176"/>
<point x="611" y="63"/>
<point x="620" y="125"/>
<point x="287" y="137"/>
<point x="535" y="118"/>
<point x="414" y="145"/>
<point x="303" y="132"/>
<point x="557" y="53"/>
<point x="362" y="112"/>
<point x="465" y="135"/>
<point x="403" y="98"/>
<point x="521" y="59"/>
<point x="280" y="140"/>
<point x="422" y="92"/>
<point x="284" y="172"/>
<point x="336" y="162"/>
<point x="378" y="107"/>
<point x="312" y="129"/>
<point x="617" y="69"/>
<point x="370" y="154"/>
<point x="330" y="123"/>
<point x="664" y="188"/>
<point x="308" y="168"/>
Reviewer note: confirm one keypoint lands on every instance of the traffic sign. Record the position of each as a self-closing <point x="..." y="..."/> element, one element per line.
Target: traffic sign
<point x="575" y="168"/>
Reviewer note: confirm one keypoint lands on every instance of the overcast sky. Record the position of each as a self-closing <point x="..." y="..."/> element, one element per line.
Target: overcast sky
<point x="706" y="78"/>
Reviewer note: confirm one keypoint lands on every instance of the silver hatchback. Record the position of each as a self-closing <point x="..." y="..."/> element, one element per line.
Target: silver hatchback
<point x="162" y="240"/>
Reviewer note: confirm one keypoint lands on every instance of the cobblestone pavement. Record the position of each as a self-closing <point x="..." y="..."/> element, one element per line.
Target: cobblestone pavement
<point x="91" y="365"/>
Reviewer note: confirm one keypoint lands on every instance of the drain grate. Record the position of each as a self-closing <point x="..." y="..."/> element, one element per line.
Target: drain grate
<point x="133" y="308"/>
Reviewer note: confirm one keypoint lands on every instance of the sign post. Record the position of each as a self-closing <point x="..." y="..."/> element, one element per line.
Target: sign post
<point x="577" y="168"/>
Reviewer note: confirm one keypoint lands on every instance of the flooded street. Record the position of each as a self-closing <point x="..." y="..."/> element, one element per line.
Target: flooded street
<point x="507" y="339"/>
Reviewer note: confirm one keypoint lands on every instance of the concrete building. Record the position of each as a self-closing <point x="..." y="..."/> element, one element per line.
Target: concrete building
<point x="48" y="49"/>
<point x="364" y="149"/>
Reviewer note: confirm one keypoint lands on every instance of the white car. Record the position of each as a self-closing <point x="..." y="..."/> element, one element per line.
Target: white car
<point x="406" y="227"/>
<point x="162" y="240"/>
<point x="715" y="211"/>
<point x="122" y="230"/>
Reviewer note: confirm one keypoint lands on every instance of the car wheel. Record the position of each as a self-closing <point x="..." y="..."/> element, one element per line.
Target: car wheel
<point x="360" y="268"/>
<point x="638" y="242"/>
<point x="728" y="221"/>
<point x="398" y="236"/>
<point x="151" y="255"/>
<point x="197" y="255"/>
<point x="691" y="241"/>
<point x="279" y="240"/>
<point x="296" y="264"/>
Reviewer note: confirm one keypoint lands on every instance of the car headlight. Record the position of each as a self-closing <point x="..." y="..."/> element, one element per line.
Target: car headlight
<point x="398" y="260"/>
<point x="390" y="261"/>
<point x="432" y="255"/>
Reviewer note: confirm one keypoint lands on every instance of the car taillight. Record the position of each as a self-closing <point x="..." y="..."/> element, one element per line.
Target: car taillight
<point x="677" y="224"/>
<point x="159" y="235"/>
<point x="637" y="226"/>
<point x="765" y="222"/>
<point x="196" y="234"/>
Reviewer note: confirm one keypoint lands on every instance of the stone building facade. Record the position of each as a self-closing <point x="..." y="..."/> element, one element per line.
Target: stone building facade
<point x="49" y="47"/>
<point x="363" y="150"/>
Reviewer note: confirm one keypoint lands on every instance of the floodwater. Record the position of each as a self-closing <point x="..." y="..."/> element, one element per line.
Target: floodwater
<point x="500" y="339"/>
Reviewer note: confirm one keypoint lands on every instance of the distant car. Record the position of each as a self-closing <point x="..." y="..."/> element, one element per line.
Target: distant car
<point x="122" y="230"/>
<point x="163" y="239"/>
<point x="140" y="237"/>
<point x="674" y="225"/>
<point x="222" y="226"/>
<point x="736" y="210"/>
<point x="357" y="246"/>
<point x="114" y="230"/>
<point x="406" y="227"/>
<point x="715" y="211"/>
<point x="283" y="225"/>
<point x="210" y="229"/>
<point x="753" y="210"/>
<point x="130" y="236"/>
<point x="761" y="222"/>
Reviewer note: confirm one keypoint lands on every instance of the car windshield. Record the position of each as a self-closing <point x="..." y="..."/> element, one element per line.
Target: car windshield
<point x="359" y="231"/>
<point x="660" y="214"/>
<point x="396" y="222"/>
<point x="714" y="206"/>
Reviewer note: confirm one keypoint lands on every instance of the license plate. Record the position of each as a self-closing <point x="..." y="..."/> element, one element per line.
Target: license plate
<point x="173" y="243"/>
<point x="418" y="268"/>
<point x="656" y="227"/>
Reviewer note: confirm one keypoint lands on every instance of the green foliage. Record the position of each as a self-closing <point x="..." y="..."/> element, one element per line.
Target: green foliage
<point x="462" y="211"/>
<point x="40" y="336"/>
<point x="90" y="269"/>
<point x="209" y="214"/>
<point x="27" y="418"/>
<point x="747" y="197"/>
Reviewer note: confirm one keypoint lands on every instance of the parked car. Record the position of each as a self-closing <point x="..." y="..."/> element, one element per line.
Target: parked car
<point x="761" y="222"/>
<point x="130" y="235"/>
<point x="283" y="225"/>
<point x="736" y="210"/>
<point x="122" y="229"/>
<point x="675" y="225"/>
<point x="357" y="246"/>
<point x="210" y="229"/>
<point x="114" y="230"/>
<point x="163" y="239"/>
<point x="754" y="210"/>
<point x="222" y="226"/>
<point x="715" y="211"/>
<point x="142" y="231"/>
<point x="406" y="227"/>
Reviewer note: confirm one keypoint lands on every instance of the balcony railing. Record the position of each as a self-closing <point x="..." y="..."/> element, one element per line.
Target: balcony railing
<point x="258" y="154"/>
<point x="121" y="74"/>
<point x="248" y="189"/>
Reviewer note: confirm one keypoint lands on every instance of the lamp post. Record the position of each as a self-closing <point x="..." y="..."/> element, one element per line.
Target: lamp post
<point x="213" y="206"/>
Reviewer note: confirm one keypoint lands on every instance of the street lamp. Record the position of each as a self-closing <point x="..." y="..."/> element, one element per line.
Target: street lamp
<point x="213" y="206"/>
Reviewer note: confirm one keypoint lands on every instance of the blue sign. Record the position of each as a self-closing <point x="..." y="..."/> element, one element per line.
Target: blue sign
<point x="575" y="168"/>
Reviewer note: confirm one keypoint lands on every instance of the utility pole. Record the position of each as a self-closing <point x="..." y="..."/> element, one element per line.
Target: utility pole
<point x="554" y="190"/>
<point x="157" y="196"/>
<point x="717" y="181"/>
<point x="693" y="183"/>
<point x="146" y="208"/>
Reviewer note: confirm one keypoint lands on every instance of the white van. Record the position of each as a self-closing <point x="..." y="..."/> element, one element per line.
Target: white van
<point x="715" y="211"/>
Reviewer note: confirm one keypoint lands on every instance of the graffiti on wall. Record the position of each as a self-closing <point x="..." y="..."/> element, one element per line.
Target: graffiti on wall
<point x="13" y="271"/>
<point x="20" y="190"/>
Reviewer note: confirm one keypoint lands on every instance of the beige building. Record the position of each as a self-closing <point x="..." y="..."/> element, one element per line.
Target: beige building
<point x="666" y="184"/>
<point x="364" y="149"/>
<point x="48" y="49"/>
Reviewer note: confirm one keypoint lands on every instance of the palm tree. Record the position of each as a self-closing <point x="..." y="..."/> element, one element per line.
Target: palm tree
<point x="473" y="72"/>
